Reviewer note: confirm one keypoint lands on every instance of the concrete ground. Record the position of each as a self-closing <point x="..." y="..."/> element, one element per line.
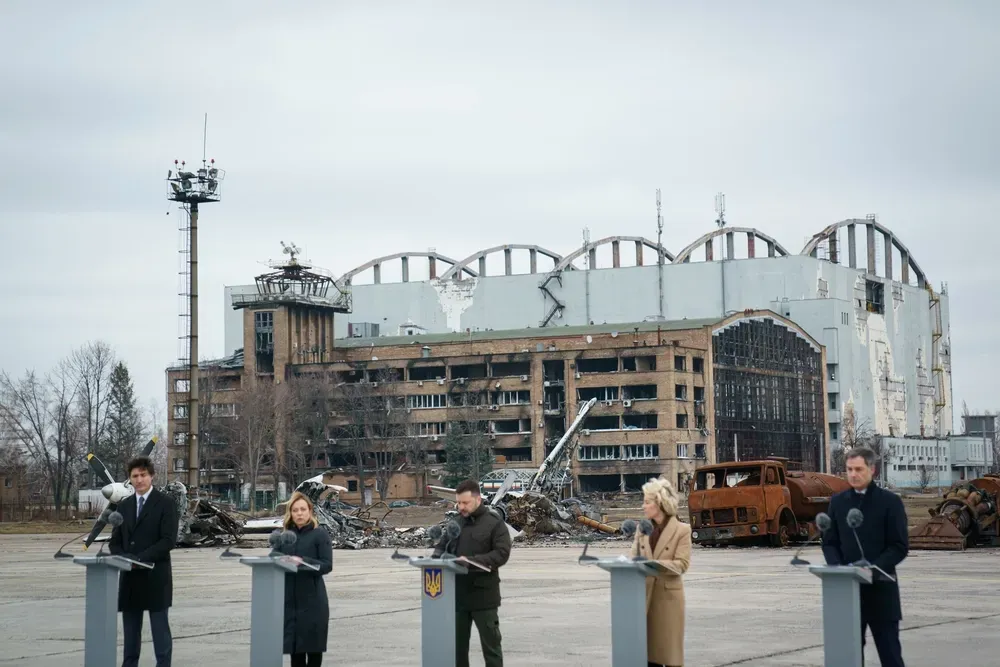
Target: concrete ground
<point x="744" y="607"/>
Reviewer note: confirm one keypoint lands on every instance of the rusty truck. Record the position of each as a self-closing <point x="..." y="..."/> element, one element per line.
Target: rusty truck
<point x="749" y="501"/>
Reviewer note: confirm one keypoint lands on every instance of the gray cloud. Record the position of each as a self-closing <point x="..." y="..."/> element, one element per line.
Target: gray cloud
<point x="359" y="131"/>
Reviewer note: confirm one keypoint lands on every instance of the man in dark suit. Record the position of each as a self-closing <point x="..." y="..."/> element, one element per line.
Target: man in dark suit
<point x="885" y="540"/>
<point x="148" y="532"/>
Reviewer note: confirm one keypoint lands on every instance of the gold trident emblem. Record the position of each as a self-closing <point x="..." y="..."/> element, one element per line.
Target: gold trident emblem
<point x="433" y="582"/>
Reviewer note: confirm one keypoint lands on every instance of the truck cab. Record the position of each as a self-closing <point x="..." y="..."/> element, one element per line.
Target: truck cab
<point x="740" y="501"/>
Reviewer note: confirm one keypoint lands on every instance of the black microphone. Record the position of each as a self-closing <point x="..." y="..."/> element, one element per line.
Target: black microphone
<point x="61" y="554"/>
<point x="434" y="533"/>
<point x="628" y="527"/>
<point x="274" y="538"/>
<point x="646" y="527"/>
<point x="115" y="519"/>
<point x="452" y="530"/>
<point x="288" y="538"/>
<point x="823" y="522"/>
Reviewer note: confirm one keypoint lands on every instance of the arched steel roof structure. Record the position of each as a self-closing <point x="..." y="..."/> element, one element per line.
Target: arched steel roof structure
<point x="404" y="257"/>
<point x="829" y="234"/>
<point x="773" y="247"/>
<point x="591" y="249"/>
<point x="508" y="248"/>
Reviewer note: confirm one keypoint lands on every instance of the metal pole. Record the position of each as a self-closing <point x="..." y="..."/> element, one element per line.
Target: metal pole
<point x="193" y="453"/>
<point x="736" y="451"/>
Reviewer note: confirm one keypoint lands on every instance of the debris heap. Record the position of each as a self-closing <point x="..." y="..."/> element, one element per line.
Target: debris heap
<point x="538" y="515"/>
<point x="201" y="522"/>
<point x="357" y="530"/>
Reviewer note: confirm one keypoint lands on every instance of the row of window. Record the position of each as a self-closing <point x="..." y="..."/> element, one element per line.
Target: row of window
<point x="638" y="452"/>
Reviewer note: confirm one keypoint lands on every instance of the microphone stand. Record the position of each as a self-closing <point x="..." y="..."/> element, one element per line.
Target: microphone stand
<point x="60" y="554"/>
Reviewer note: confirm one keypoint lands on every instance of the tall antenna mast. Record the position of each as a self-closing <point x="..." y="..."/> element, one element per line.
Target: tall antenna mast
<point x="659" y="248"/>
<point x="720" y="221"/>
<point x="190" y="190"/>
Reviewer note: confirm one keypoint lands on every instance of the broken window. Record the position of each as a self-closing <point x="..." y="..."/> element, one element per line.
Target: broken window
<point x="602" y="423"/>
<point x="180" y="412"/>
<point x="418" y="401"/>
<point x="598" y="453"/>
<point x="697" y="365"/>
<point x="632" y="422"/>
<point x="700" y="451"/>
<point x="511" y="426"/>
<point x="513" y="455"/>
<point x="682" y="420"/>
<point x="680" y="362"/>
<point x="607" y="365"/>
<point x="699" y="394"/>
<point x="469" y="399"/>
<point x="699" y="421"/>
<point x="600" y="393"/>
<point x="680" y="392"/>
<point x="180" y="438"/>
<point x="639" y="364"/>
<point x="874" y="296"/>
<point x="553" y="371"/>
<point x="425" y="429"/>
<point x="640" y="452"/>
<point x="427" y="372"/>
<point x="510" y="369"/>
<point x="511" y="397"/>
<point x="468" y="371"/>
<point x="639" y="392"/>
<point x="182" y="386"/>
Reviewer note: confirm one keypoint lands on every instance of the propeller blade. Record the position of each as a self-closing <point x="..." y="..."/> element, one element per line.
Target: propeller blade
<point x="99" y="524"/>
<point x="148" y="449"/>
<point x="99" y="468"/>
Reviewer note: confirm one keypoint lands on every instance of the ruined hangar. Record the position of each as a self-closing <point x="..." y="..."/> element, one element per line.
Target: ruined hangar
<point x="854" y="287"/>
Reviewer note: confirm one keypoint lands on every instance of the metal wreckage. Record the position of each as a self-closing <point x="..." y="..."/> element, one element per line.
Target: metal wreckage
<point x="200" y="522"/>
<point x="534" y="511"/>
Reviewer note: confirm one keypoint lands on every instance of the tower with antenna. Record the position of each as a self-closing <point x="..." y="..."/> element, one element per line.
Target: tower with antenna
<point x="191" y="189"/>
<point x="659" y="248"/>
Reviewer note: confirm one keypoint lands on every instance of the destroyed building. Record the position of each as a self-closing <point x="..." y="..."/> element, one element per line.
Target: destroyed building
<point x="668" y="392"/>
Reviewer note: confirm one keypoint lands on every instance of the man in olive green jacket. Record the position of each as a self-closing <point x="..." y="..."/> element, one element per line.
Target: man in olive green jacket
<point x="484" y="539"/>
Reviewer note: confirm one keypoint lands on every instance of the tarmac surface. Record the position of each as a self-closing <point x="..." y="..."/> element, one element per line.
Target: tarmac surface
<point x="745" y="606"/>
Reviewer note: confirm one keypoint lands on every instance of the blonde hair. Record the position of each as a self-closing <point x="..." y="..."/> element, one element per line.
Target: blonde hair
<point x="296" y="497"/>
<point x="662" y="492"/>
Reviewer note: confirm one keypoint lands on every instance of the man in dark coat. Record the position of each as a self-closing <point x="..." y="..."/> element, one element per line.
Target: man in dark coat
<point x="148" y="532"/>
<point x="485" y="540"/>
<point x="884" y="538"/>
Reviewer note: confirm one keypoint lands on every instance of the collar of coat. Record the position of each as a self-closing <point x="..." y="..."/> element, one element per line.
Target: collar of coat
<point x="478" y="512"/>
<point x="666" y="534"/>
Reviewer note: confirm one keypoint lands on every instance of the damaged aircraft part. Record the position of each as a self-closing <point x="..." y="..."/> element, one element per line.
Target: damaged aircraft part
<point x="967" y="516"/>
<point x="537" y="514"/>
<point x="201" y="522"/>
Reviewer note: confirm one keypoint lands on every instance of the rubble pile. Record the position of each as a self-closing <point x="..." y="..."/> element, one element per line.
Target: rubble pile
<point x="357" y="530"/>
<point x="201" y="522"/>
<point x="538" y="515"/>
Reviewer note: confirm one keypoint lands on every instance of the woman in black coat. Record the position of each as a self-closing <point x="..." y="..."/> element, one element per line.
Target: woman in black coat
<point x="307" y="608"/>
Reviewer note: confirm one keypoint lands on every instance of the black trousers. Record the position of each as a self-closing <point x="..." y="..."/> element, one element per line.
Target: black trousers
<point x="307" y="659"/>
<point x="886" y="637"/>
<point x="488" y="623"/>
<point x="163" y="641"/>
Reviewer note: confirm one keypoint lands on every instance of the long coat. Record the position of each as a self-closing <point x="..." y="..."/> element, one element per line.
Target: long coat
<point x="665" y="592"/>
<point x="484" y="539"/>
<point x="884" y="537"/>
<point x="148" y="538"/>
<point x="307" y="607"/>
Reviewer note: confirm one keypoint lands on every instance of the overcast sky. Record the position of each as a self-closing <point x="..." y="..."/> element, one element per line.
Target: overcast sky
<point x="361" y="129"/>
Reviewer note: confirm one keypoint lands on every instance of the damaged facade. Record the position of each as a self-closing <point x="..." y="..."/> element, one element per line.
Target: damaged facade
<point x="854" y="287"/>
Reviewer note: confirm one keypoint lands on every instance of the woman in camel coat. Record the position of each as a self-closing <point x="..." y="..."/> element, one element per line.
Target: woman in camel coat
<point x="670" y="544"/>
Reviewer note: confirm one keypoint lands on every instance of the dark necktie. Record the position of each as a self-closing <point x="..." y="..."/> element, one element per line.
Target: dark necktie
<point x="139" y="511"/>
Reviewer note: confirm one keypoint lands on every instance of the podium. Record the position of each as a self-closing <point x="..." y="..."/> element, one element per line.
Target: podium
<point x="842" y="613"/>
<point x="437" y="609"/>
<point x="628" y="607"/>
<point x="267" y="606"/>
<point x="101" y="607"/>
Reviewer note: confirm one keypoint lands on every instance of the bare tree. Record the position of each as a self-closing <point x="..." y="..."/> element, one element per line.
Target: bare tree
<point x="305" y="434"/>
<point x="467" y="446"/>
<point x="156" y="421"/>
<point x="373" y="420"/>
<point x="854" y="435"/>
<point x="41" y="412"/>
<point x="91" y="367"/>
<point x="250" y="436"/>
<point x="925" y="474"/>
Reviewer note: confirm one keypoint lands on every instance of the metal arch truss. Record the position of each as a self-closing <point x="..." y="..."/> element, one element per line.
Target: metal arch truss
<point x="481" y="255"/>
<point x="773" y="247"/>
<point x="830" y="237"/>
<point x="590" y="250"/>
<point x="432" y="259"/>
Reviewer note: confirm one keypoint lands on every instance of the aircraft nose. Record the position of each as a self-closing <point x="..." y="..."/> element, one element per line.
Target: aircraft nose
<point x="107" y="491"/>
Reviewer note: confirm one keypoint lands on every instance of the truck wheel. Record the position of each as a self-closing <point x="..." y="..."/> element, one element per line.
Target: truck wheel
<point x="784" y="535"/>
